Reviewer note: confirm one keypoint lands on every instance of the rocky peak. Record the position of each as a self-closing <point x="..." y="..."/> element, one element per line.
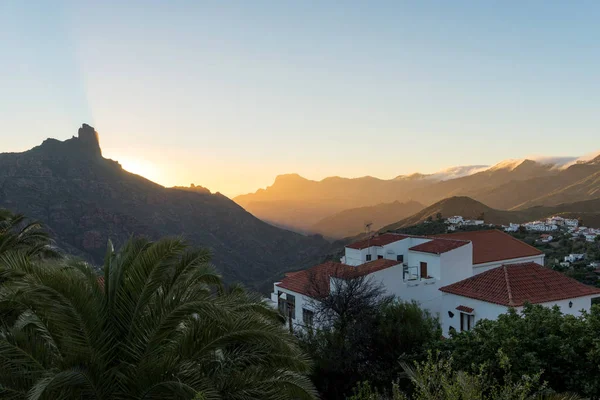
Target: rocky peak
<point x="88" y="137"/>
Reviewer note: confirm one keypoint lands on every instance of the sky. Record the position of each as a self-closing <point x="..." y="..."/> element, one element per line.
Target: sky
<point x="229" y="94"/>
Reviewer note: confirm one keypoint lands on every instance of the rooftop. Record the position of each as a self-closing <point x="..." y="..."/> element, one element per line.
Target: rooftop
<point x="439" y="245"/>
<point x="379" y="240"/>
<point x="493" y="245"/>
<point x="314" y="281"/>
<point x="516" y="284"/>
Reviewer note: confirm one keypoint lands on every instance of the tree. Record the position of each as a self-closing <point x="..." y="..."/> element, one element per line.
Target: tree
<point x="17" y="233"/>
<point x="363" y="335"/>
<point x="438" y="216"/>
<point x="157" y="324"/>
<point x="564" y="347"/>
<point x="436" y="379"/>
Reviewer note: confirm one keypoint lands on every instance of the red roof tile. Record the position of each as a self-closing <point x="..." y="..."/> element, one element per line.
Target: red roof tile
<point x="516" y="284"/>
<point x="494" y="245"/>
<point x="465" y="309"/>
<point x="379" y="240"/>
<point x="439" y="246"/>
<point x="314" y="281"/>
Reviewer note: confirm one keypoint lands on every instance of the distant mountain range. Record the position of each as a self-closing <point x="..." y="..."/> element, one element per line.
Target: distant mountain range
<point x="301" y="204"/>
<point x="86" y="199"/>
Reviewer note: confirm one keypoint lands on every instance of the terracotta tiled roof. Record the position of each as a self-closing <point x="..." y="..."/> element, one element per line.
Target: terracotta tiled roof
<point x="494" y="245"/>
<point x="515" y="284"/>
<point x="465" y="309"/>
<point x="379" y="240"/>
<point x="439" y="246"/>
<point x="314" y="281"/>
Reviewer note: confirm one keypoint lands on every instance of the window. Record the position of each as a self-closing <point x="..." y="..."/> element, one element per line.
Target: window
<point x="307" y="317"/>
<point x="291" y="302"/>
<point x="368" y="257"/>
<point x="467" y="321"/>
<point x="379" y="257"/>
<point x="287" y="306"/>
<point x="281" y="304"/>
<point x="400" y="257"/>
<point x="424" y="270"/>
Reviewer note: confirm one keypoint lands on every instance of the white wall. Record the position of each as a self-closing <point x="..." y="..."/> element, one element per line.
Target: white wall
<point x="479" y="268"/>
<point x="424" y="292"/>
<point x="579" y="303"/>
<point x="457" y="264"/>
<point x="444" y="269"/>
<point x="389" y="251"/>
<point x="491" y="311"/>
<point x="482" y="310"/>
<point x="354" y="256"/>
<point x="302" y="301"/>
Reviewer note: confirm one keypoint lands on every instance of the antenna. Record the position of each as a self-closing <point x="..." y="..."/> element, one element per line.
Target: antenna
<point x="368" y="228"/>
<point x="368" y="232"/>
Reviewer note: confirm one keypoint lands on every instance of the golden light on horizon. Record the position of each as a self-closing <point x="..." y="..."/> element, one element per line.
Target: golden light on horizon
<point x="142" y="167"/>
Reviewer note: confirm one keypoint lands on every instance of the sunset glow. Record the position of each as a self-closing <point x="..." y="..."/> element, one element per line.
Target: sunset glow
<point x="229" y="96"/>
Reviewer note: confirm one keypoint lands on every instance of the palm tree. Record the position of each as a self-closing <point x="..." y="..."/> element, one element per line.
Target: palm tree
<point x="157" y="325"/>
<point x="19" y="234"/>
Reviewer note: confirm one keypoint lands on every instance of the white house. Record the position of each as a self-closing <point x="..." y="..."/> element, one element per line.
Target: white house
<point x="512" y="227"/>
<point x="572" y="223"/>
<point x="409" y="267"/>
<point x="487" y="295"/>
<point x="574" y="257"/>
<point x="457" y="219"/>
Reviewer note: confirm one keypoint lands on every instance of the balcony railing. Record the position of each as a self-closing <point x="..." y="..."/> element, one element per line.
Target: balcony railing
<point x="411" y="274"/>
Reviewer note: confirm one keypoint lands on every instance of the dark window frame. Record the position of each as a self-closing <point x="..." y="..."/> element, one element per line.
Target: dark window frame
<point x="308" y="317"/>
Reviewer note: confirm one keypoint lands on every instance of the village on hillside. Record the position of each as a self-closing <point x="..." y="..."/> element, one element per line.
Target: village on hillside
<point x="552" y="235"/>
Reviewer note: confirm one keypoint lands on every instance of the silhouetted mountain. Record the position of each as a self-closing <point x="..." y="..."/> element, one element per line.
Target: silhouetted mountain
<point x="193" y="188"/>
<point x="86" y="199"/>
<point x="351" y="222"/>
<point x="588" y="210"/>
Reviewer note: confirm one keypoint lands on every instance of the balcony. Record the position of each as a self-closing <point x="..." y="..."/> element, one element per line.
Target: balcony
<point x="411" y="276"/>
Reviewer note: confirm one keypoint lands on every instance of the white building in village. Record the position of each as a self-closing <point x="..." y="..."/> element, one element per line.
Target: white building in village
<point x="457" y="219"/>
<point x="455" y="276"/>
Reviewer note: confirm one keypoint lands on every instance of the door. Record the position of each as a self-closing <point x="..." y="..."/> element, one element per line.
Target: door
<point x="423" y="270"/>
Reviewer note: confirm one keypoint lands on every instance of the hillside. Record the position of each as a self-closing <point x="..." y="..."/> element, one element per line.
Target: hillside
<point x="588" y="210"/>
<point x="351" y="222"/>
<point x="301" y="204"/>
<point x="576" y="183"/>
<point x="86" y="199"/>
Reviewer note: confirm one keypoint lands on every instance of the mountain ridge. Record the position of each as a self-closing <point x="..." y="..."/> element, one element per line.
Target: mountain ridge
<point x="85" y="199"/>
<point x="508" y="185"/>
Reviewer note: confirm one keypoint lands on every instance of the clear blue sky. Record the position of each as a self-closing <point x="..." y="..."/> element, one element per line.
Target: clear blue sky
<point x="228" y="94"/>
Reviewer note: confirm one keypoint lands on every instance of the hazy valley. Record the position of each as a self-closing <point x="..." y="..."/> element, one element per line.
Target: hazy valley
<point x="337" y="206"/>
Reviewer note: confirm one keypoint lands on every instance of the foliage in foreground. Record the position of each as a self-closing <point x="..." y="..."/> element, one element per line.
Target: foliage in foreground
<point x="17" y="233"/>
<point x="564" y="347"/>
<point x="159" y="325"/>
<point x="435" y="379"/>
<point x="363" y="336"/>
